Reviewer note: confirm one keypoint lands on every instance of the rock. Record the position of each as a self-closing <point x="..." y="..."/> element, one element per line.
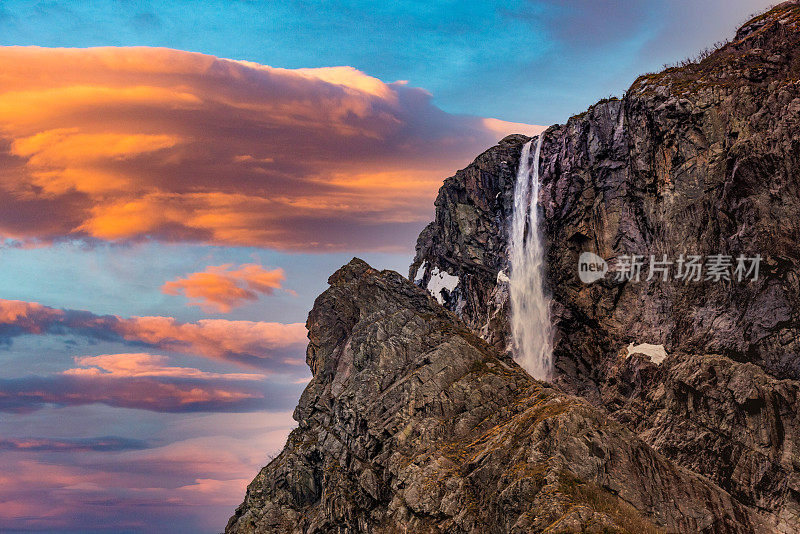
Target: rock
<point x="417" y="419"/>
<point x="727" y="420"/>
<point x="468" y="238"/>
<point x="411" y="423"/>
<point x="701" y="159"/>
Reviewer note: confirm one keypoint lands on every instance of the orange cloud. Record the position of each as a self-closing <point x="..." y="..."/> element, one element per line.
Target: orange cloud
<point x="30" y="316"/>
<point x="125" y="144"/>
<point x="222" y="288"/>
<point x="69" y="147"/>
<point x="250" y="342"/>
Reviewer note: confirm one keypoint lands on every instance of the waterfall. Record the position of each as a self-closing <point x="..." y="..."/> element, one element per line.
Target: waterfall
<point x="530" y="308"/>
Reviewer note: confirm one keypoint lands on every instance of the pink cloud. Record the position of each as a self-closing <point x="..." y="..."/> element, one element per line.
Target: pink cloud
<point x="147" y="381"/>
<point x="266" y="345"/>
<point x="152" y="393"/>
<point x="194" y="479"/>
<point x="218" y="338"/>
<point x="145" y="365"/>
<point x="221" y="288"/>
<point x="125" y="144"/>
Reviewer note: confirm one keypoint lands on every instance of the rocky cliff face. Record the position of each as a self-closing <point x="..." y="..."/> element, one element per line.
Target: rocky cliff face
<point x="468" y="239"/>
<point x="411" y="423"/>
<point x="727" y="420"/>
<point x="417" y="419"/>
<point x="701" y="159"/>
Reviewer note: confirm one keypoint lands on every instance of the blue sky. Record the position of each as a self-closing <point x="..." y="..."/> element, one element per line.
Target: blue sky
<point x="523" y="61"/>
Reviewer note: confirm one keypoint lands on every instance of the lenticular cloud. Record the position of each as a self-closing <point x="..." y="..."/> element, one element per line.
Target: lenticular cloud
<point x="125" y="144"/>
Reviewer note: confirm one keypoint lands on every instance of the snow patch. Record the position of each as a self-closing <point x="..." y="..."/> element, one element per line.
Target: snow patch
<point x="441" y="280"/>
<point x="656" y="353"/>
<point x="420" y="272"/>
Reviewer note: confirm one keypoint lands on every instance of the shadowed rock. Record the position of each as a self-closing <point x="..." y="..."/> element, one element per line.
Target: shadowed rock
<point x="727" y="420"/>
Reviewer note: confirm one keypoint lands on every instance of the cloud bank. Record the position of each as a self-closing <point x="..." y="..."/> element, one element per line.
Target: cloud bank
<point x="140" y="365"/>
<point x="145" y="382"/>
<point x="263" y="345"/>
<point x="157" y="394"/>
<point x="189" y="483"/>
<point x="125" y="144"/>
<point x="98" y="444"/>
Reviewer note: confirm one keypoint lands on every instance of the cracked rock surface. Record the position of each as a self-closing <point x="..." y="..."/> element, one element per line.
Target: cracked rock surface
<point x="412" y="423"/>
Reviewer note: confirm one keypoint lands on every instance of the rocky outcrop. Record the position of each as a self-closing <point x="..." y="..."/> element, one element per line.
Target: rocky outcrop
<point x="412" y="423"/>
<point x="701" y="159"/>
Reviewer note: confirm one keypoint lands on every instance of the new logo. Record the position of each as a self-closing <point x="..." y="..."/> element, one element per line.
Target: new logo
<point x="591" y="267"/>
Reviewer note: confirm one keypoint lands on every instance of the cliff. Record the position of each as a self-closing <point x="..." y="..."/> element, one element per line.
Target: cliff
<point x="411" y="423"/>
<point x="418" y="420"/>
<point x="700" y="159"/>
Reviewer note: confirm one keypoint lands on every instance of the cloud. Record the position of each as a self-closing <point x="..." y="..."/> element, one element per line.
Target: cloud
<point x="98" y="444"/>
<point x="145" y="382"/>
<point x="157" y="394"/>
<point x="639" y="32"/>
<point x="264" y="345"/>
<point x="125" y="144"/>
<point x="144" y="365"/>
<point x="583" y="24"/>
<point x="193" y="482"/>
<point x="221" y="288"/>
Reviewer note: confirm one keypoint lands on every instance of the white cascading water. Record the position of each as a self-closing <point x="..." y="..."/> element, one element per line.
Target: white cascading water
<point x="530" y="307"/>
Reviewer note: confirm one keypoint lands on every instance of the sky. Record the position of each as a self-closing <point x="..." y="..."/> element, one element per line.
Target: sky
<point x="178" y="180"/>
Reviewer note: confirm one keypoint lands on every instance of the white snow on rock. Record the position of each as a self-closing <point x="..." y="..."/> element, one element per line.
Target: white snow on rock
<point x="441" y="280"/>
<point x="420" y="272"/>
<point x="656" y="353"/>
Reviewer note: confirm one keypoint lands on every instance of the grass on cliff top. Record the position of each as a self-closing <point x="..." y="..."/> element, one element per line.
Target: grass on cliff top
<point x="775" y="9"/>
<point x="707" y="68"/>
